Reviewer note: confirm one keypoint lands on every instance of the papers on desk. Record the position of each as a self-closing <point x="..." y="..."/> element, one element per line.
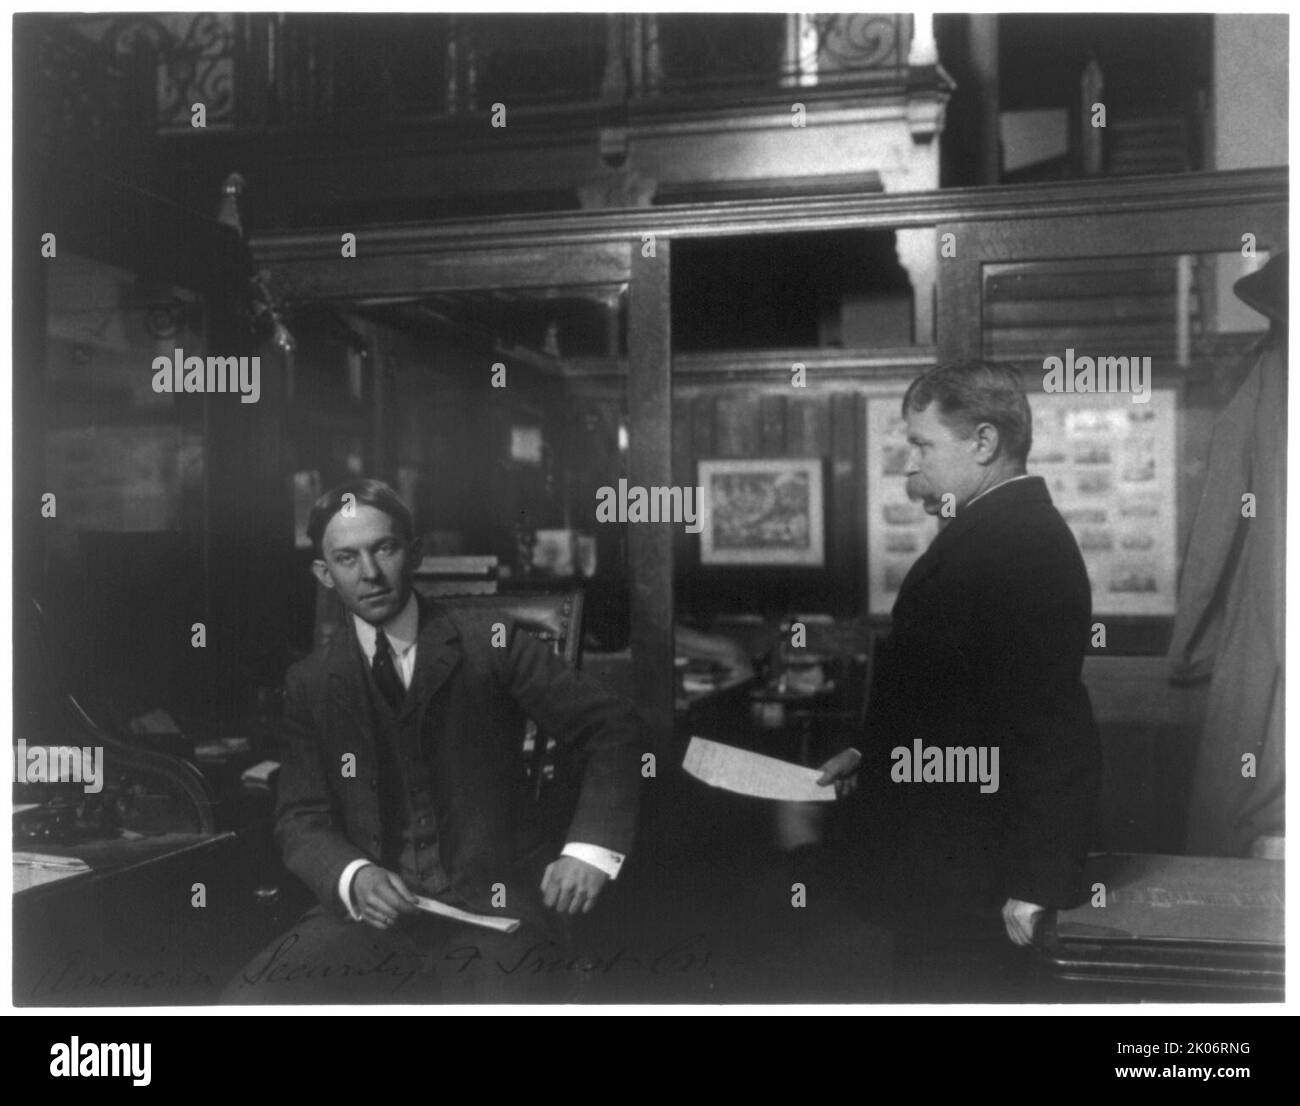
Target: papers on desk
<point x="259" y="774"/>
<point x="748" y="773"/>
<point x="34" y="869"/>
<point x="219" y="748"/>
<point x="487" y="921"/>
<point x="694" y="684"/>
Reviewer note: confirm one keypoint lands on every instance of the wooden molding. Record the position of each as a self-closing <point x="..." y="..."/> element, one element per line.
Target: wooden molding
<point x="1094" y="197"/>
<point x="824" y="366"/>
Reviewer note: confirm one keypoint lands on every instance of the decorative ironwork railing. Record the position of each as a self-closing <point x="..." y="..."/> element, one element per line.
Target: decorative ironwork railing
<point x="100" y="77"/>
<point x="762" y="53"/>
<point x="86" y="83"/>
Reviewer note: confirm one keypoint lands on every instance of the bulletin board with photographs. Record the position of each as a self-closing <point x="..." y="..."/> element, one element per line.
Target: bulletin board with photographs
<point x="898" y="530"/>
<point x="1110" y="465"/>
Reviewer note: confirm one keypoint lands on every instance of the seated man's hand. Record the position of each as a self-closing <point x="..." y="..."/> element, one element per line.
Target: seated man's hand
<point x="380" y="896"/>
<point x="842" y="771"/>
<point x="571" y="886"/>
<point x="1020" y="918"/>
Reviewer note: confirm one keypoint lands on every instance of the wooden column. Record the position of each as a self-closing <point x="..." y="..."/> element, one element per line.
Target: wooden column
<point x="959" y="315"/>
<point x="248" y="504"/>
<point x="984" y="64"/>
<point x="650" y="544"/>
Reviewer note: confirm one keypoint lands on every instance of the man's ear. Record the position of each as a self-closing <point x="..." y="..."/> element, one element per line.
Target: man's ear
<point x="322" y="573"/>
<point x="415" y="553"/>
<point x="988" y="443"/>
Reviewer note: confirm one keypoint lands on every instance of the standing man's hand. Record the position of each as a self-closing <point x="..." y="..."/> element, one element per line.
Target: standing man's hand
<point x="1020" y="919"/>
<point x="571" y="886"/>
<point x="842" y="771"/>
<point x="380" y="896"/>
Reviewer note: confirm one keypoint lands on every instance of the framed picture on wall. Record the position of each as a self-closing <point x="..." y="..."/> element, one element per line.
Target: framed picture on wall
<point x="1110" y="466"/>
<point x="767" y="512"/>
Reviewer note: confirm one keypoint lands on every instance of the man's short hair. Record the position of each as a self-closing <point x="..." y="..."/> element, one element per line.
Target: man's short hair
<point x="972" y="392"/>
<point x="365" y="493"/>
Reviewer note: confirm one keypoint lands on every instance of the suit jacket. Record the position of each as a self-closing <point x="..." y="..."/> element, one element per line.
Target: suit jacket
<point x="986" y="649"/>
<point x="471" y="700"/>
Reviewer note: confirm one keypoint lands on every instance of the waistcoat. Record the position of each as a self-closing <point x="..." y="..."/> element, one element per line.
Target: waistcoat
<point x="409" y="843"/>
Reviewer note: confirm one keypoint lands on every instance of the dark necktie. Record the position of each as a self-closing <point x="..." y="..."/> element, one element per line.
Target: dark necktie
<point x="385" y="671"/>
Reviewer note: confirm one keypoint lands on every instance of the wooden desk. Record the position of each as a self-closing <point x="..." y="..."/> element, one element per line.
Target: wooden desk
<point x="129" y="933"/>
<point x="1173" y="927"/>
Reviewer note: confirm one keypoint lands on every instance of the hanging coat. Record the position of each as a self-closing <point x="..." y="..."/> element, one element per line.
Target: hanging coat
<point x="1230" y="624"/>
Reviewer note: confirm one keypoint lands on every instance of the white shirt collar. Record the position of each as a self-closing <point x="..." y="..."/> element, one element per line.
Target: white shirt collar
<point x="401" y="630"/>
<point x="1008" y="480"/>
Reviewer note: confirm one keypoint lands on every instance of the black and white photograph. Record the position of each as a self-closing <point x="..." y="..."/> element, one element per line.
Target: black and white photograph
<point x="642" y="511"/>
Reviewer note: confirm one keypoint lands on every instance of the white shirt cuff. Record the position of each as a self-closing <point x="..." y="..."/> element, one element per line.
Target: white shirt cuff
<point x="607" y="861"/>
<point x="345" y="887"/>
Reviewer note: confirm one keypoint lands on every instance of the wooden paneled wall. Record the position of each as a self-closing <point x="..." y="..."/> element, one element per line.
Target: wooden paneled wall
<point x="741" y="412"/>
<point x="744" y="407"/>
<point x="726" y="421"/>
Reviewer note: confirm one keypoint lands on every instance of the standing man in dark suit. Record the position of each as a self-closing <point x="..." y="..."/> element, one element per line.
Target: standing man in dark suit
<point x="403" y="775"/>
<point x="985" y="653"/>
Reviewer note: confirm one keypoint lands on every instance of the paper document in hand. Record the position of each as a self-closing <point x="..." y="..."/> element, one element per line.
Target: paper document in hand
<point x="487" y="921"/>
<point x="749" y="773"/>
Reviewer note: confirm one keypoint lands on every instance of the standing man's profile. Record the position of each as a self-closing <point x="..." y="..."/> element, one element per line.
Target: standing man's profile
<point x="984" y="657"/>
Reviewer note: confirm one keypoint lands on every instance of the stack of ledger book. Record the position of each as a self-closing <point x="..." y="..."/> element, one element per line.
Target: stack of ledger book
<point x="464" y="575"/>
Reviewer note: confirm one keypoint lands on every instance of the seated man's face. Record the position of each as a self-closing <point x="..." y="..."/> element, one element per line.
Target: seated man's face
<point x="368" y="562"/>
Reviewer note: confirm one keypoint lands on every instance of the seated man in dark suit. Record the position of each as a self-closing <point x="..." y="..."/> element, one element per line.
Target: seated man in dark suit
<point x="403" y="775"/>
<point x="983" y="663"/>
